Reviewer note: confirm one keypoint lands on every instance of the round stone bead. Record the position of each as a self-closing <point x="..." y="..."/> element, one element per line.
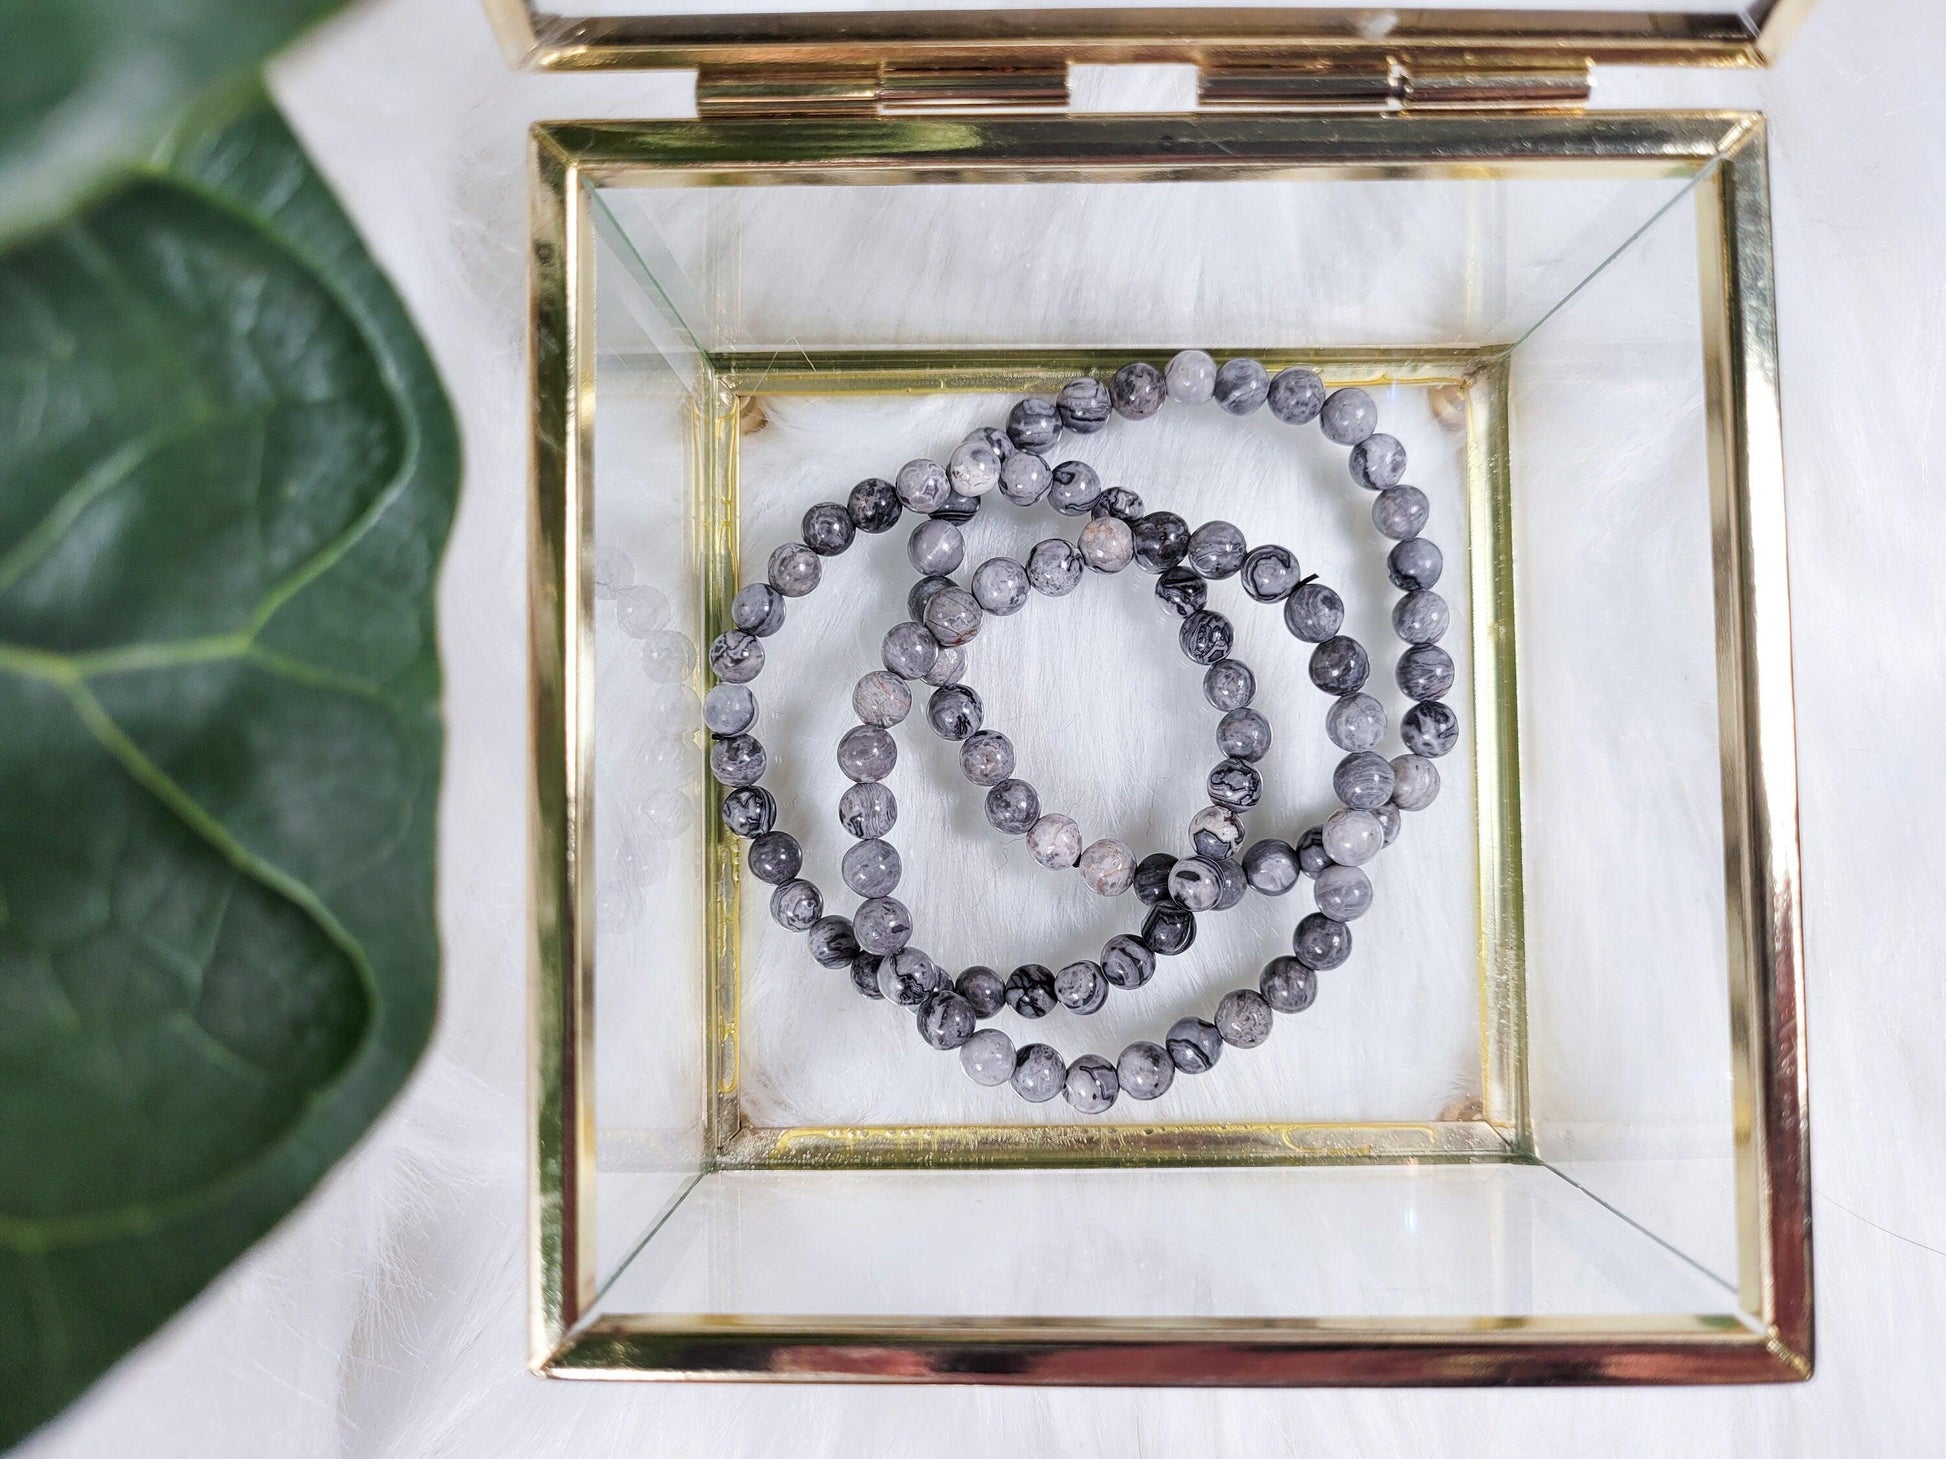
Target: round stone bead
<point x="1205" y="637"/>
<point x="953" y="617"/>
<point x="1039" y="1074"/>
<point x="1347" y="416"/>
<point x="988" y="1057"/>
<point x="948" y="667"/>
<point x="1235" y="783"/>
<point x="1231" y="883"/>
<point x="1215" y="832"/>
<point x="1081" y="987"/>
<point x="1270" y="573"/>
<point x="795" y="905"/>
<point x="1421" y="617"/>
<point x="1107" y="544"/>
<point x="1243" y="734"/>
<point x="1169" y="928"/>
<point x="923" y="486"/>
<point x="921" y="593"/>
<point x="775" y="857"/>
<point x="871" y="868"/>
<point x="955" y="712"/>
<point x="737" y="759"/>
<point x="1312" y="858"/>
<point x="882" y="925"/>
<point x="1355" y="722"/>
<point x="909" y="650"/>
<point x="1287" y="985"/>
<point x="794" y="569"/>
<point x="867" y="809"/>
<point x="1343" y="893"/>
<point x="866" y="752"/>
<point x="984" y="990"/>
<point x="1363" y="780"/>
<point x="874" y="505"/>
<point x="945" y="1020"/>
<point x="1161" y="540"/>
<point x="1194" y="1045"/>
<point x="1012" y="807"/>
<point x="994" y="439"/>
<point x="758" y="609"/>
<point x="1415" y="782"/>
<point x="1229" y="684"/>
<point x="1121" y="503"/>
<point x="1321" y="942"/>
<point x="1054" y="567"/>
<point x="1145" y="1070"/>
<point x="987" y="757"/>
<point x="1182" y="590"/>
<point x="828" y="529"/>
<point x="1108" y="867"/>
<point x="1190" y="377"/>
<point x="1152" y="877"/>
<point x="907" y="977"/>
<point x="1390" y="819"/>
<point x="1055" y="842"/>
<point x="833" y="943"/>
<point x="1138" y="390"/>
<point x="1000" y="585"/>
<point x="749" y="811"/>
<point x="973" y="469"/>
<point x="1075" y="489"/>
<point x="1034" y="425"/>
<point x="1030" y="990"/>
<point x="1270" y="866"/>
<point x="959" y="508"/>
<point x="736" y="657"/>
<point x="1425" y="672"/>
<point x="1243" y="1018"/>
<point x="1313" y="612"/>
<point x="1377" y="462"/>
<point x="1127" y="961"/>
<point x="1414" y="564"/>
<point x="729" y="709"/>
<point x="1296" y="395"/>
<point x="1401" y="512"/>
<point x="1429" y="728"/>
<point x="1083" y="405"/>
<point x="1090" y="1085"/>
<point x="1352" y="838"/>
<point x="935" y="547"/>
<point x="1241" y="386"/>
<point x="1340" y="665"/>
<point x="1193" y="883"/>
<point x="1024" y="478"/>
<point x="1217" y="549"/>
<point x="667" y="656"/>
<point x="864" y="975"/>
<point x="881" y="698"/>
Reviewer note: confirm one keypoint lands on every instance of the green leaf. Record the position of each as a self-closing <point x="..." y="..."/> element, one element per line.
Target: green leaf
<point x="227" y="471"/>
<point x="88" y="88"/>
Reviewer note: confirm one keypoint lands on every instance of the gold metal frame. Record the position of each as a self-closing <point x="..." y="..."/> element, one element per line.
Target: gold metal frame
<point x="1725" y="154"/>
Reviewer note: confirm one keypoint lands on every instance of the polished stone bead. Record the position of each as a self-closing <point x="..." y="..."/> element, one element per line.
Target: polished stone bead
<point x="1119" y="502"/>
<point x="958" y="508"/>
<point x="882" y="925"/>
<point x="1363" y="780"/>
<point x="1145" y="1070"/>
<point x="1182" y="590"/>
<point x="909" y="650"/>
<point x="946" y="1020"/>
<point x="874" y="505"/>
<point x="1389" y="818"/>
<point x="871" y="868"/>
<point x="1352" y="838"/>
<point x="1194" y="1045"/>
<point x="1321" y="942"/>
<point x="794" y="569"/>
<point x="1242" y="385"/>
<point x="1107" y="544"/>
<point x="987" y="757"/>
<point x="1030" y="990"/>
<point x="1270" y="866"/>
<point x="1107" y="866"/>
<point x="1000" y="585"/>
<point x="988" y="1057"/>
<point x="667" y="656"/>
<point x="1235" y="783"/>
<point x="1243" y="1018"/>
<point x="775" y="857"/>
<point x="1229" y="684"/>
<point x="973" y="469"/>
<point x="1190" y="377"/>
<point x="1151" y="881"/>
<point x="1033" y="425"/>
<point x="749" y="811"/>
<point x="984" y="990"/>
<point x="1343" y="893"/>
<point x="955" y="712"/>
<point x="953" y="617"/>
<point x="935" y="547"/>
<point x="921" y="593"/>
<point x="1429" y="729"/>
<point x="1169" y="928"/>
<point x="1355" y="722"/>
<point x="1192" y="882"/>
<point x="994" y="439"/>
<point x="864" y="974"/>
<point x="1312" y="858"/>
<point x="737" y="760"/>
<point x="1377" y="462"/>
<point x="1340" y="665"/>
<point x="1038" y="1074"/>
<point x="881" y="698"/>
<point x="1024" y="478"/>
<point x="1413" y="564"/>
<point x="908" y="977"/>
<point x="1127" y="961"/>
<point x="1090" y="1084"/>
<point x="1243" y="734"/>
<point x="1081" y="987"/>
<point x="833" y="944"/>
<point x="736" y="657"/>
<point x="1270" y="573"/>
<point x="1055" y="842"/>
<point x="795" y="905"/>
<point x="1013" y="806"/>
<point x="1138" y="390"/>
<point x="1075" y="489"/>
<point x="1421" y="617"/>
<point x="1401" y="512"/>
<point x="642" y="609"/>
<point x="866" y="752"/>
<point x="1161" y="540"/>
<point x="1205" y="637"/>
<point x="1415" y="782"/>
<point x="1287" y="985"/>
<point x="729" y="709"/>
<point x="1425" y="672"/>
<point x="1054" y="567"/>
<point x="1215" y="832"/>
<point x="867" y="809"/>
<point x="1217" y="549"/>
<point x="1296" y="395"/>
<point x="758" y="609"/>
<point x="1348" y="416"/>
<point x="828" y="529"/>
<point x="1313" y="612"/>
<point x="948" y="667"/>
<point x="1083" y="405"/>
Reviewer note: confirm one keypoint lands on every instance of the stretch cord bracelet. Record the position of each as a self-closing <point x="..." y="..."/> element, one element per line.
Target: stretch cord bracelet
<point x="1372" y="789"/>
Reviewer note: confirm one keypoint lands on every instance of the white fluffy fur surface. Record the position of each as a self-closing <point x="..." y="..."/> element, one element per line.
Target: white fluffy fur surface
<point x="386" y="1317"/>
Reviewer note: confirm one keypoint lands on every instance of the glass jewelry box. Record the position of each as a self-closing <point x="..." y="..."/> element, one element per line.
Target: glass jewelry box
<point x="1550" y="1125"/>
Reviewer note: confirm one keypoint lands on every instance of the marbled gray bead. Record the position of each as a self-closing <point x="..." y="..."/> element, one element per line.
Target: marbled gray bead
<point x="1363" y="780"/>
<point x="1083" y="405"/>
<point x="1312" y="858"/>
<point x="953" y="617"/>
<point x="667" y="656"/>
<point x="881" y="698"/>
<point x="1090" y="1084"/>
<point x="1012" y="807"/>
<point x="1355" y="722"/>
<point x="1038" y="1074"/>
<point x="1145" y="1070"/>
<point x="988" y="1057"/>
<point x="749" y="811"/>
<point x="1352" y="838"/>
<point x="1000" y="585"/>
<point x="1126" y="961"/>
<point x="907" y="977"/>
<point x="1182" y="590"/>
<point x="1169" y="928"/>
<point x="1390" y="820"/>
<point x="1241" y="385"/>
<point x="973" y="469"/>
<point x="1119" y="502"/>
<point x="794" y="569"/>
<point x="874" y="505"/>
<point x="1270" y="573"/>
<point x="866" y="752"/>
<point x="1054" y="567"/>
<point x="1243" y="1018"/>
<point x="1425" y="672"/>
<point x="1191" y="377"/>
<point x="867" y="809"/>
<point x="1217" y="549"/>
<point x="736" y="657"/>
<point x="1161" y="540"/>
<point x="1347" y="416"/>
<point x="1205" y="637"/>
<point x="1138" y="390"/>
<point x="1296" y="395"/>
<point x="1107" y="544"/>
<point x="1055" y="842"/>
<point x="1321" y="942"/>
<point x="828" y="529"/>
<point x="775" y="857"/>
<point x="984" y="990"/>
<point x="1231" y="884"/>
<point x="994" y="439"/>
<point x="1421" y="617"/>
<point x="1340" y="665"/>
<point x="1215" y="832"/>
<point x="1235" y="783"/>
<point x="1030" y="990"/>
<point x="1378" y="461"/>
<point x="1271" y="866"/>
<point x="1107" y="867"/>
<point x="1152" y="877"/>
<point x="922" y="486"/>
<point x="959" y="508"/>
<point x="1415" y="782"/>
<point x="921" y="593"/>
<point x="1287" y="985"/>
<point x="1413" y="564"/>
<point x="1313" y="613"/>
<point x="987" y="757"/>
<point x="1229" y="684"/>
<point x="945" y="1020"/>
<point x="1429" y="729"/>
<point x="737" y="759"/>
<point x="864" y="975"/>
<point x="909" y="650"/>
<point x="1024" y="478"/>
<point x="1343" y="893"/>
<point x="1075" y="489"/>
<point x="795" y="905"/>
<point x="871" y="868"/>
<point x="948" y="668"/>
<point x="1401" y="512"/>
<point x="1081" y="987"/>
<point x="955" y="712"/>
<point x="729" y="709"/>
<point x="1194" y="1045"/>
<point x="758" y="609"/>
<point x="1034" y="425"/>
<point x="882" y="925"/>
<point x="935" y="547"/>
<point x="1192" y="882"/>
<point x="1243" y="734"/>
<point x="832" y="942"/>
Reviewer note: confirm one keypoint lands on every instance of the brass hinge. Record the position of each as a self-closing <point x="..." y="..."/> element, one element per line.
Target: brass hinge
<point x="882" y="90"/>
<point x="1392" y="83"/>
